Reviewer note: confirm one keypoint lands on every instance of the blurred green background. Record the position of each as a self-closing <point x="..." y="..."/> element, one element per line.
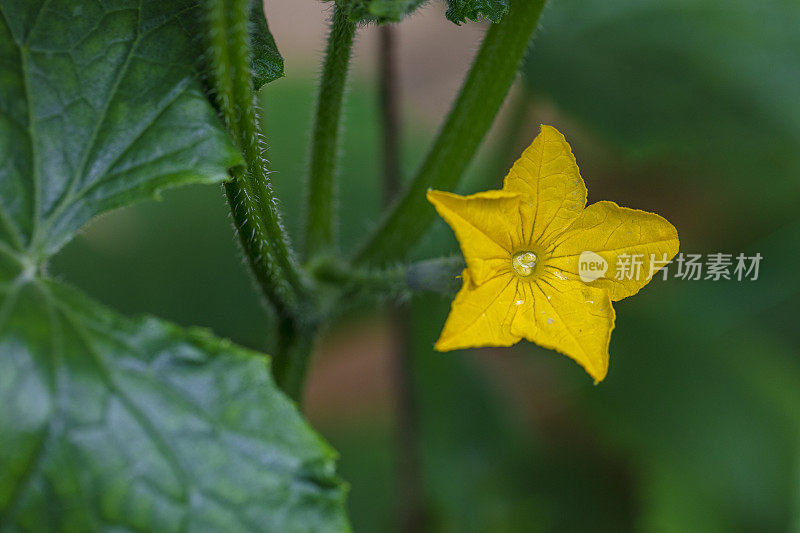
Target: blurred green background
<point x="690" y="108"/>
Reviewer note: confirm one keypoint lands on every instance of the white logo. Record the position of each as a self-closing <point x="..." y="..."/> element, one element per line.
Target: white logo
<point x="591" y="266"/>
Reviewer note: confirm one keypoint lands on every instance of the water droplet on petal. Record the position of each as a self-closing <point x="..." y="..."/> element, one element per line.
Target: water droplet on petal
<point x="524" y="263"/>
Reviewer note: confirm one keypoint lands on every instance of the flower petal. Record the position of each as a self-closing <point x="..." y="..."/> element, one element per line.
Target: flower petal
<point x="481" y="315"/>
<point x="486" y="225"/>
<point x="624" y="238"/>
<point x="548" y="178"/>
<point x="568" y="317"/>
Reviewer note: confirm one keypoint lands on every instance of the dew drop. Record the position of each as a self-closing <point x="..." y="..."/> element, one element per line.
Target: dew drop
<point x="524" y="263"/>
<point x="549" y="320"/>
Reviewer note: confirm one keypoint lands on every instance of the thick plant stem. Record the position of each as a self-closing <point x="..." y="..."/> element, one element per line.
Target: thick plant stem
<point x="295" y="347"/>
<point x="321" y="206"/>
<point x="481" y="96"/>
<point x="249" y="193"/>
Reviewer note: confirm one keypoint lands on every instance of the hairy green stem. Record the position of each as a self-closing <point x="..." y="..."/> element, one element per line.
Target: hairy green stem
<point x="249" y="192"/>
<point x="250" y="195"/>
<point x="440" y="275"/>
<point x="481" y="96"/>
<point x="384" y="283"/>
<point x="321" y="205"/>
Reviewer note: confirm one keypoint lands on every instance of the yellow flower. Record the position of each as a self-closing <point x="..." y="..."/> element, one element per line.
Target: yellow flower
<point x="536" y="257"/>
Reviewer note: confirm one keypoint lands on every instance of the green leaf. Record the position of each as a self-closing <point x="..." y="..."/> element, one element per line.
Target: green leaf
<point x="459" y="11"/>
<point x="101" y="107"/>
<point x="393" y="10"/>
<point x="111" y="423"/>
<point x="267" y="61"/>
<point x="141" y="425"/>
<point x="380" y="11"/>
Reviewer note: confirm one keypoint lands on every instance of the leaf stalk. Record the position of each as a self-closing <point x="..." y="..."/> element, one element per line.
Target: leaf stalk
<point x="249" y="192"/>
<point x="321" y="217"/>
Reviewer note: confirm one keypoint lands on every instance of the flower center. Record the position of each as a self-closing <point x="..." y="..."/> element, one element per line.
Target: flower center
<point x="524" y="263"/>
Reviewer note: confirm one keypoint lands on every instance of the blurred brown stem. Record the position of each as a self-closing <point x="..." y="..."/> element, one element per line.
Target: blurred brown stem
<point x="390" y="114"/>
<point x="410" y="493"/>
